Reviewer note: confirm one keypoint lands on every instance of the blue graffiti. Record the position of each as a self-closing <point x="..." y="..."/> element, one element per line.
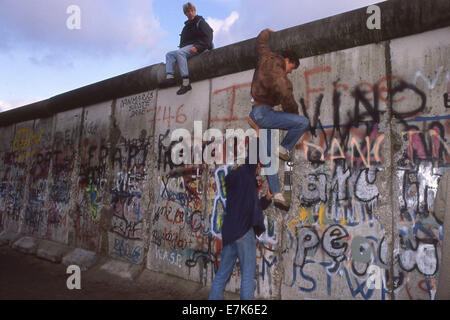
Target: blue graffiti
<point x="123" y="250"/>
<point x="359" y="287"/>
<point x="307" y="278"/>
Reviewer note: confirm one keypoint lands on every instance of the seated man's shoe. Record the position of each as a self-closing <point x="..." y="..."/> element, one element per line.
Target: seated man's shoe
<point x="166" y="83"/>
<point x="184" y="89"/>
<point x="282" y="202"/>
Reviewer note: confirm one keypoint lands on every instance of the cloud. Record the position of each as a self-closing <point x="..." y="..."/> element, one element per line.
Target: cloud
<point x="221" y="28"/>
<point x="4" y="106"/>
<point x="15" y="103"/>
<point x="223" y="25"/>
<point x="107" y="27"/>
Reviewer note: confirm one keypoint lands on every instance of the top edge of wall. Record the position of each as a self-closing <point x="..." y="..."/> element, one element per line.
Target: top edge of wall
<point x="399" y="18"/>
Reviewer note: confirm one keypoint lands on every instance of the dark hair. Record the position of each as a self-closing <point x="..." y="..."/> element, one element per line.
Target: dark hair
<point x="292" y="56"/>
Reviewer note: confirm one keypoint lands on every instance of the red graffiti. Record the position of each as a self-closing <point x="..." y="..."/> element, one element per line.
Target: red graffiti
<point x="233" y="89"/>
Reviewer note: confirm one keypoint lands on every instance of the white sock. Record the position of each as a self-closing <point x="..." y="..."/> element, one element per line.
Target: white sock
<point x="278" y="195"/>
<point x="169" y="76"/>
<point x="185" y="82"/>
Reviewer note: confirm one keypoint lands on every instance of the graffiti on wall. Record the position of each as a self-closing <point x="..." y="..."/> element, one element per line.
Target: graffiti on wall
<point x="130" y="179"/>
<point x="35" y="215"/>
<point x="92" y="184"/>
<point x="24" y="147"/>
<point x="180" y="229"/>
<point x="186" y="234"/>
<point x="336" y="229"/>
<point x="63" y="162"/>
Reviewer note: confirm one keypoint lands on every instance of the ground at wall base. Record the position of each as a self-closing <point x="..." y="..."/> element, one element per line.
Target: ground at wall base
<point x="33" y="278"/>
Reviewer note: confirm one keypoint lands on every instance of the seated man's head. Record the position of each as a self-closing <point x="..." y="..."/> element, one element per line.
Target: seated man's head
<point x="189" y="10"/>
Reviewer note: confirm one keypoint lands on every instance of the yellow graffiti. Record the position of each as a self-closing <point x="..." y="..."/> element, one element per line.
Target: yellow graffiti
<point x="304" y="214"/>
<point x="306" y="217"/>
<point x="322" y="216"/>
<point x="220" y="220"/>
<point x="211" y="195"/>
<point x="93" y="203"/>
<point x="292" y="223"/>
<point x="24" y="139"/>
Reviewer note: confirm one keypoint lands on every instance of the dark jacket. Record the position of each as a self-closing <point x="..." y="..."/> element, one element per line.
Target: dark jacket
<point x="244" y="208"/>
<point x="197" y="32"/>
<point x="270" y="84"/>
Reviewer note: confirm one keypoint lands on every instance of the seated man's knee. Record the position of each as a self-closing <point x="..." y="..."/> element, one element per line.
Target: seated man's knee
<point x="182" y="53"/>
<point x="170" y="54"/>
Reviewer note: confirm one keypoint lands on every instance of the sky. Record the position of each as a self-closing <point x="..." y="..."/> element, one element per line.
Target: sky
<point x="45" y="50"/>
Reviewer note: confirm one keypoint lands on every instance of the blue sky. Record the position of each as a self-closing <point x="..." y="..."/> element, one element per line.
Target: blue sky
<point x="40" y="57"/>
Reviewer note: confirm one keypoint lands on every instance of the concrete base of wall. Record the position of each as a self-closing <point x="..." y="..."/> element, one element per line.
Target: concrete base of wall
<point x="51" y="251"/>
<point x="6" y="238"/>
<point x="122" y="269"/>
<point x="83" y="258"/>
<point x="26" y="245"/>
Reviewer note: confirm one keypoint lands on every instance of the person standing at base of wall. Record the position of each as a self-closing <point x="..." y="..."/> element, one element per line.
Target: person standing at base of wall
<point x="242" y="222"/>
<point x="196" y="37"/>
<point x="442" y="214"/>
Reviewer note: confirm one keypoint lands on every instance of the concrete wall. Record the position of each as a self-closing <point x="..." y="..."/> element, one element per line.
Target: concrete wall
<point x="373" y="168"/>
<point x="99" y="176"/>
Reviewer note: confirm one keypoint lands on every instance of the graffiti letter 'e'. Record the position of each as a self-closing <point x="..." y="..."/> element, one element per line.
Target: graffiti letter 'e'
<point x="446" y="100"/>
<point x="74" y="281"/>
<point x="74" y="20"/>
<point x="374" y="21"/>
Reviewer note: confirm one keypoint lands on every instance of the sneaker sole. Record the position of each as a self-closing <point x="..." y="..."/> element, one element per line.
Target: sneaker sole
<point x="181" y="93"/>
<point x="281" y="206"/>
<point x="285" y="157"/>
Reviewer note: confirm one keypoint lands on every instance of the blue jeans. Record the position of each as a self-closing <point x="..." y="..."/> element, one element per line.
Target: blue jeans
<point x="267" y="118"/>
<point x="180" y="56"/>
<point x="245" y="249"/>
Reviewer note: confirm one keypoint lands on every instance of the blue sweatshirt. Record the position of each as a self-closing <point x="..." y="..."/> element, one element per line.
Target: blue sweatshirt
<point x="244" y="208"/>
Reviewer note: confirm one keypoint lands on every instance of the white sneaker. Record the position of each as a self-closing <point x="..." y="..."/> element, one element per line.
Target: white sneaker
<point x="284" y="154"/>
<point x="280" y="201"/>
<point x="278" y="196"/>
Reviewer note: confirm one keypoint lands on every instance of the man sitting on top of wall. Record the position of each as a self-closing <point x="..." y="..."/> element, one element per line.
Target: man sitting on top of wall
<point x="196" y="37"/>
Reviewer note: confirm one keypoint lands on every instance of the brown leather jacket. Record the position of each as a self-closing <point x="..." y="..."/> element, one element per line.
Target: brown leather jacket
<point x="270" y="84"/>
